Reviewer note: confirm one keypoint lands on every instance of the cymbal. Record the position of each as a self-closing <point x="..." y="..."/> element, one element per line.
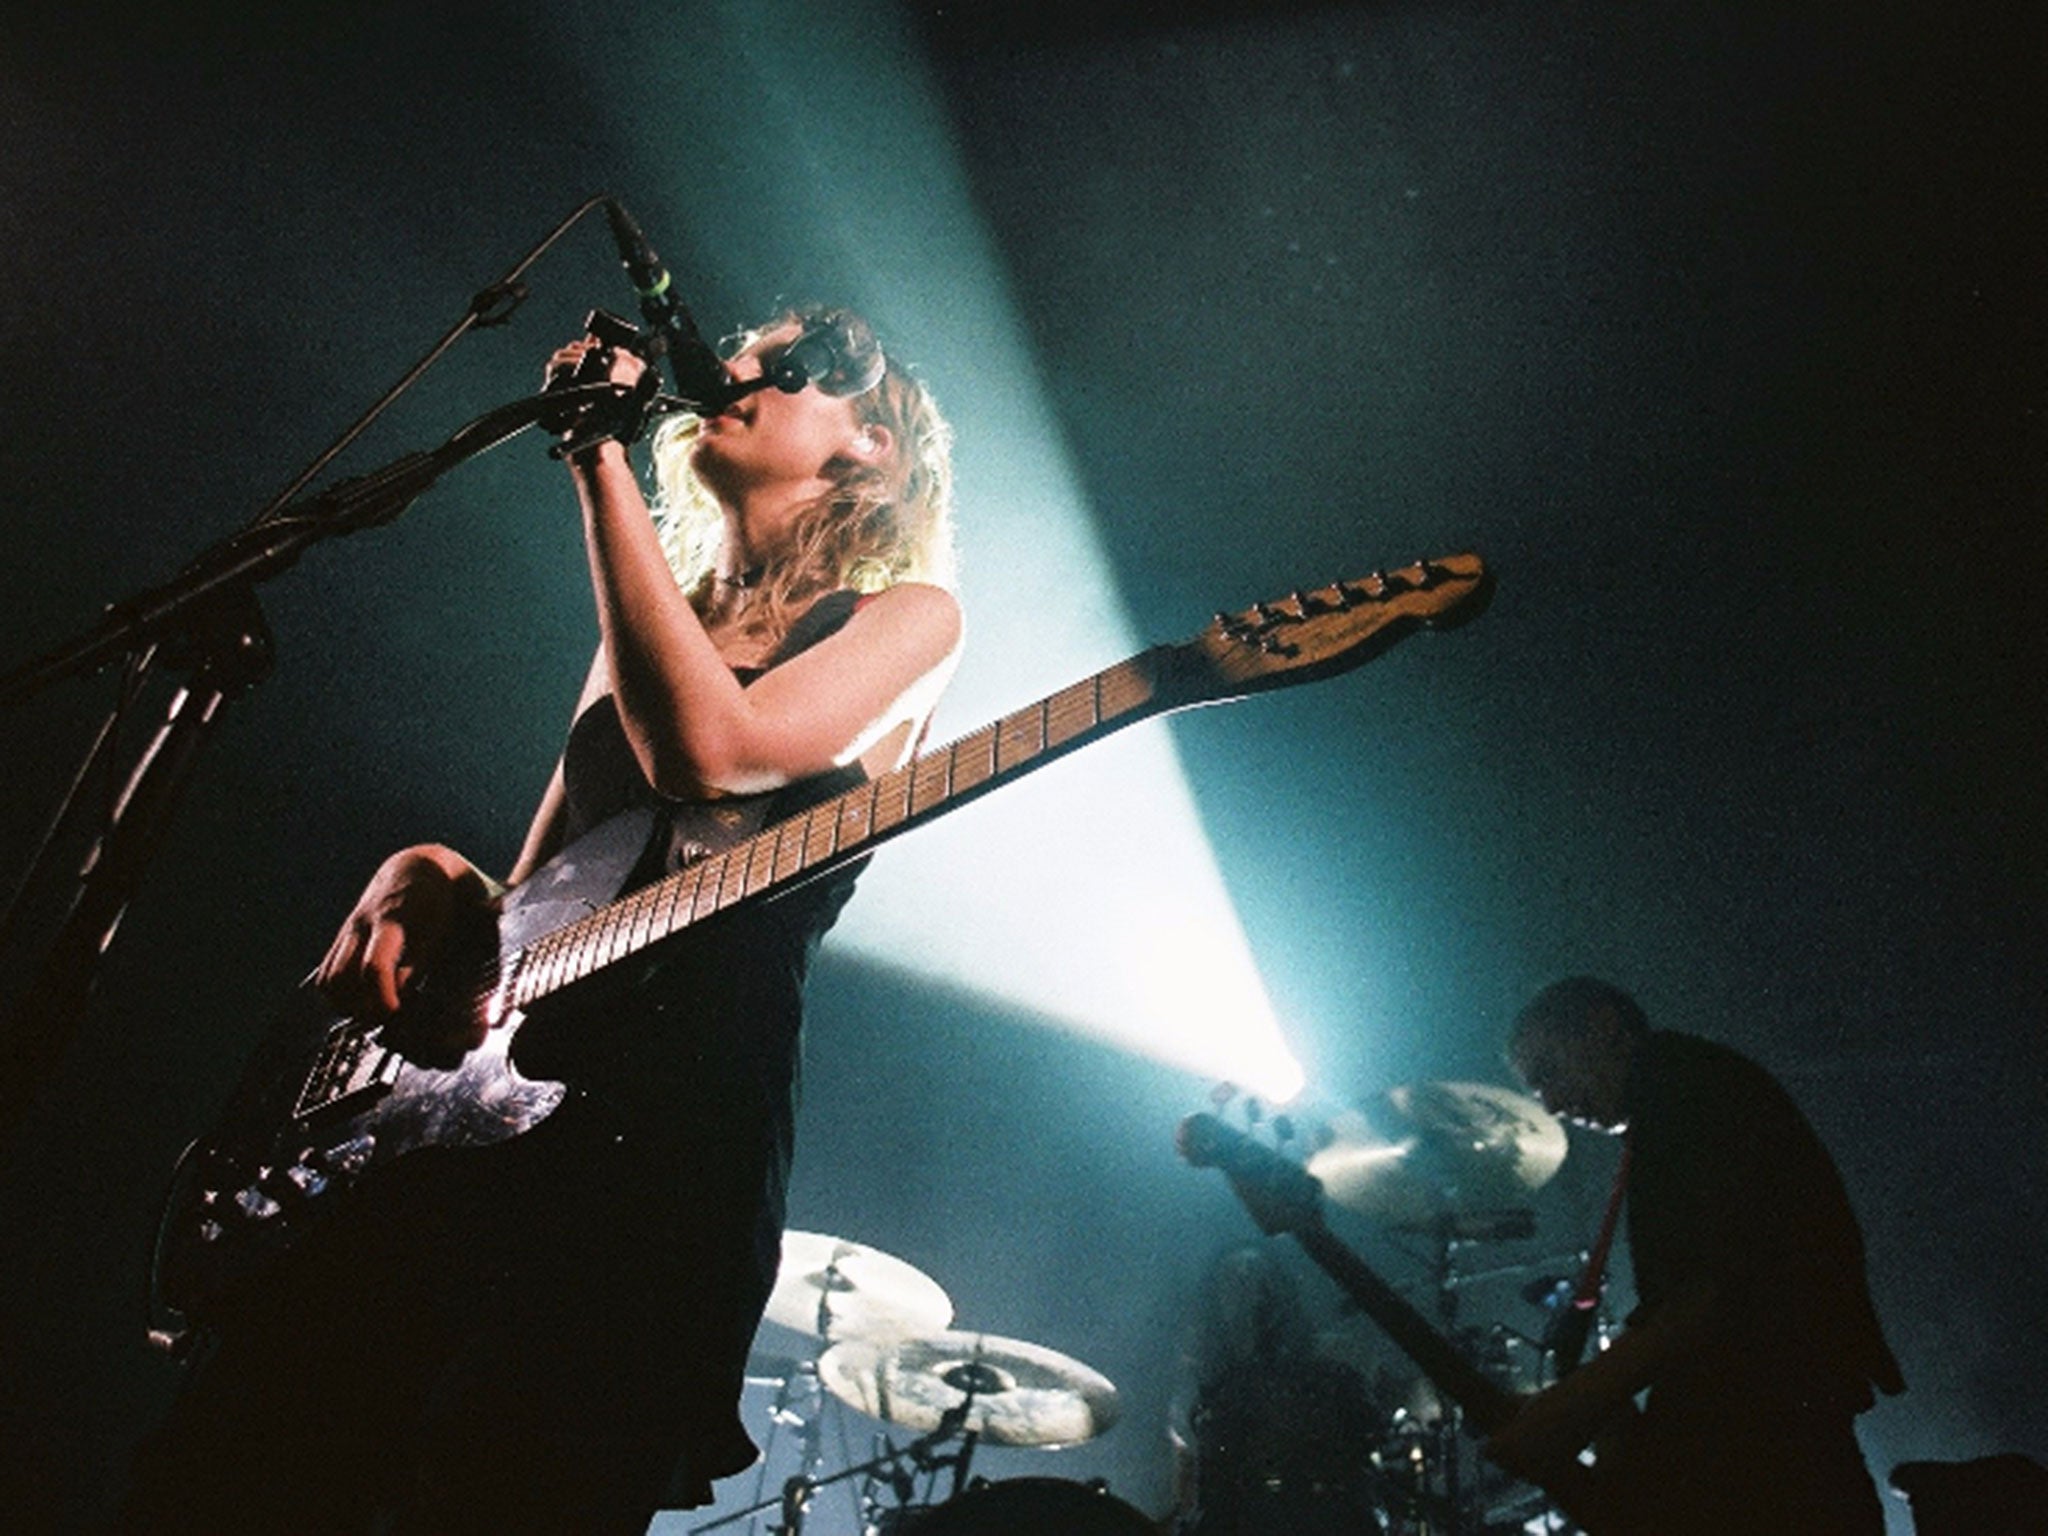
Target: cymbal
<point x="833" y="1289"/>
<point x="1015" y="1393"/>
<point x="1492" y="1122"/>
<point x="1424" y="1152"/>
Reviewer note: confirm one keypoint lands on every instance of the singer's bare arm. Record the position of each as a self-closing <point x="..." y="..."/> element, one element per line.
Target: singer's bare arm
<point x="860" y="693"/>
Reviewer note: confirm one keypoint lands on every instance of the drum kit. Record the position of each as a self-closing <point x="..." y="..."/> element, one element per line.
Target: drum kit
<point x="1451" y="1164"/>
<point x="884" y="1347"/>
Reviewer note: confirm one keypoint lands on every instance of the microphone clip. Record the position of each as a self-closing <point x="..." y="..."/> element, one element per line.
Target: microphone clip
<point x="620" y="413"/>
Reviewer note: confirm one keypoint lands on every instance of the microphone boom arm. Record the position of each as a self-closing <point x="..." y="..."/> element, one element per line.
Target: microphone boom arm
<point x="263" y="549"/>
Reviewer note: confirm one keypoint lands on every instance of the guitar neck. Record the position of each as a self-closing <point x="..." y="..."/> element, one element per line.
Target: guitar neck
<point x="841" y="829"/>
<point x="1486" y="1405"/>
<point x="1270" y="645"/>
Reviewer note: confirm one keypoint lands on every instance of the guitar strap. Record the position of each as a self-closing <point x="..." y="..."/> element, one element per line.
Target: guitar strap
<point x="1568" y="1339"/>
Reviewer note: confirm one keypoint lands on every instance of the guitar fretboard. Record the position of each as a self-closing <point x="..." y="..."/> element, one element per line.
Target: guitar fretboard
<point x="835" y="831"/>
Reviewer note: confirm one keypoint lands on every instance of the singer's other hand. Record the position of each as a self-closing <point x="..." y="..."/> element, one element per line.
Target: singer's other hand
<point x="590" y="361"/>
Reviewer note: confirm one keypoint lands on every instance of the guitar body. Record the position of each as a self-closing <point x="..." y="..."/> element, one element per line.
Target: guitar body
<point x="327" y="1103"/>
<point x="257" y="1182"/>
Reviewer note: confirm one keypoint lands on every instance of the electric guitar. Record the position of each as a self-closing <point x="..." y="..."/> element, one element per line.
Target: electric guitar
<point x="327" y="1103"/>
<point x="1283" y="1196"/>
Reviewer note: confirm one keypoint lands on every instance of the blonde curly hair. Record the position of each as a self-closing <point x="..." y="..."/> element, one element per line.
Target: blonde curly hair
<point x="883" y="522"/>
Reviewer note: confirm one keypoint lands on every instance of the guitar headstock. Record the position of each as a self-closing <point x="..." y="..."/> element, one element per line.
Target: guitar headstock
<point x="1313" y="634"/>
<point x="1281" y="1195"/>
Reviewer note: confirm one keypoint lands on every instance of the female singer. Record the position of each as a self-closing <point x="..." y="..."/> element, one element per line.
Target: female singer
<point x="549" y="1334"/>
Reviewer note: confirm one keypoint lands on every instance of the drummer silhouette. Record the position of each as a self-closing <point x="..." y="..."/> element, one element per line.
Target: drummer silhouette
<point x="1271" y="1428"/>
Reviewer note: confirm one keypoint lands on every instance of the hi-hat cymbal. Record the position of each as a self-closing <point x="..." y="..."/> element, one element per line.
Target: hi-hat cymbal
<point x="833" y="1289"/>
<point x="1427" y="1151"/>
<point x="1015" y="1393"/>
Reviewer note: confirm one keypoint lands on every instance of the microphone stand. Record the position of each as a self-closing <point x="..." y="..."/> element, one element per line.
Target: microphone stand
<point x="207" y="622"/>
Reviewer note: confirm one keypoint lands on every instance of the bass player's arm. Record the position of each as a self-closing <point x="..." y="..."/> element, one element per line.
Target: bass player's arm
<point x="1553" y="1426"/>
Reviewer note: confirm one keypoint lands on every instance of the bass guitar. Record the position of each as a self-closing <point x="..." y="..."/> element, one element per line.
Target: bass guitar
<point x="327" y="1103"/>
<point x="1284" y="1197"/>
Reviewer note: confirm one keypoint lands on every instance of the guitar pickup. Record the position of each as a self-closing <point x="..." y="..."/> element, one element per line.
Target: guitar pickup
<point x="353" y="1067"/>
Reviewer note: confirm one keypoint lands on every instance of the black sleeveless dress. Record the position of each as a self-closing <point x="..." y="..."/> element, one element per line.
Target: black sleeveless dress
<point x="701" y="1065"/>
<point x="550" y="1334"/>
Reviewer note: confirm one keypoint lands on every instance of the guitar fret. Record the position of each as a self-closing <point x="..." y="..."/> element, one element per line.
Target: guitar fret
<point x="892" y="798"/>
<point x="821" y="828"/>
<point x="1123" y="688"/>
<point x="538" y="985"/>
<point x="732" y="881"/>
<point x="532" y="980"/>
<point x="789" y="848"/>
<point x="974" y="759"/>
<point x="603" y="924"/>
<point x="549" y="976"/>
<point x="520" y="992"/>
<point x="525" y="980"/>
<point x="1072" y="712"/>
<point x="643" y="917"/>
<point x="760" y="861"/>
<point x="687" y="880"/>
<point x="582" y="957"/>
<point x="856" y="816"/>
<point x="660" y="893"/>
<point x="633" y="931"/>
<point x="1020" y="737"/>
<point x="675" y="900"/>
<point x="617" y="929"/>
<point x="664" y="921"/>
<point x="931" y="782"/>
<point x="578" y="960"/>
<point x="704" y="898"/>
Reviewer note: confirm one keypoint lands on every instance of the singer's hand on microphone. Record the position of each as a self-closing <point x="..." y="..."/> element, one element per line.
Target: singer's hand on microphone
<point x="590" y="361"/>
<point x="618" y="418"/>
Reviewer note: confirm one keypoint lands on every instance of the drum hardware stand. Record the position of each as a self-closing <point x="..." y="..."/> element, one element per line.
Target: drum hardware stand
<point x="794" y="1501"/>
<point x="1445" y="1444"/>
<point x="902" y="1483"/>
<point x="1447" y="1279"/>
<point x="1451" y="1423"/>
<point x="798" y="1405"/>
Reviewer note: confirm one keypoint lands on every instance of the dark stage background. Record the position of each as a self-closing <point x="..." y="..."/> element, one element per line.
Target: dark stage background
<point x="1716" y="328"/>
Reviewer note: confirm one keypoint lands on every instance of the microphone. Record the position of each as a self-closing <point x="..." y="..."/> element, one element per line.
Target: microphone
<point x="836" y="351"/>
<point x="701" y="379"/>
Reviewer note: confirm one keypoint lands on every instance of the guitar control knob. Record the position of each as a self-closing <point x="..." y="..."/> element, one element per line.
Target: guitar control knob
<point x="255" y="1204"/>
<point x="304" y="1179"/>
<point x="351" y="1156"/>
